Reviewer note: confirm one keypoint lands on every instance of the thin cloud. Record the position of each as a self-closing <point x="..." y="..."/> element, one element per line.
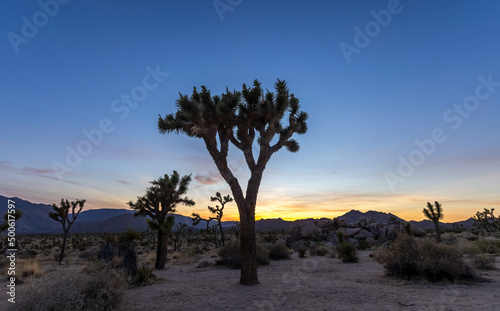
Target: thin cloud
<point x="210" y="179"/>
<point x="123" y="182"/>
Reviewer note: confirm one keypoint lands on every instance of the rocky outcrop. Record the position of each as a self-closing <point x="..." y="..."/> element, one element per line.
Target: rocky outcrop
<point x="366" y="229"/>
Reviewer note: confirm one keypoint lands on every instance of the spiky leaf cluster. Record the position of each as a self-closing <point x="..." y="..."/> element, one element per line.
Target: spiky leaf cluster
<point x="164" y="195"/>
<point x="242" y="118"/>
<point x="433" y="212"/>
<point x="61" y="212"/>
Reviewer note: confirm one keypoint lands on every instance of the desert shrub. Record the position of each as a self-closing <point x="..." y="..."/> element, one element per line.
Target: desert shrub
<point x="488" y="246"/>
<point x="483" y="262"/>
<point x="442" y="262"/>
<point x="229" y="255"/>
<point x="347" y="252"/>
<point x="279" y="251"/>
<point x="318" y="250"/>
<point x="409" y="257"/>
<point x="88" y="254"/>
<point x="28" y="253"/>
<point x="472" y="238"/>
<point x="363" y="245"/>
<point x="302" y="252"/>
<point x="98" y="288"/>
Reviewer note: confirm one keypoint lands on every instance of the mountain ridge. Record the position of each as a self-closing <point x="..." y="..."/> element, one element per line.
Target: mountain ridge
<point x="35" y="220"/>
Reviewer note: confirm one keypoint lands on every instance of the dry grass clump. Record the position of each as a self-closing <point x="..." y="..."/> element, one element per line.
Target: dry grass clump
<point x="28" y="268"/>
<point x="229" y="255"/>
<point x="409" y="257"/>
<point x="98" y="288"/>
<point x="186" y="256"/>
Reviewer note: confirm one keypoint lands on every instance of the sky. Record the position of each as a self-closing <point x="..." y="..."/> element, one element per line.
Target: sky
<point x="403" y="100"/>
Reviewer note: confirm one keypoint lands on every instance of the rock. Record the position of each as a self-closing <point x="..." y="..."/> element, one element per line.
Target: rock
<point x="353" y="241"/>
<point x="282" y="241"/>
<point x="363" y="234"/>
<point x="328" y="244"/>
<point x="349" y="232"/>
<point x="417" y="231"/>
<point x="203" y="264"/>
<point x="370" y="241"/>
<point x="307" y="228"/>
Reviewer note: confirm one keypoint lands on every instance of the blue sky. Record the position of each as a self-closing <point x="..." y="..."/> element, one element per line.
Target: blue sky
<point x="426" y="69"/>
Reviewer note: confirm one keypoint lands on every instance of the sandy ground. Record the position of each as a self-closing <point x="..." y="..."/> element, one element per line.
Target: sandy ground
<point x="313" y="283"/>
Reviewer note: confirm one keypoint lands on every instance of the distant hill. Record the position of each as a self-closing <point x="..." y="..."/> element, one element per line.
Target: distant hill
<point x="102" y="214"/>
<point x="36" y="220"/>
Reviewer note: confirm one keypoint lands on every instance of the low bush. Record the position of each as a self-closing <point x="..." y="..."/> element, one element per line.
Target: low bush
<point x="409" y="257"/>
<point x="229" y="255"/>
<point x="279" y="251"/>
<point x="488" y="246"/>
<point x="483" y="262"/>
<point x="98" y="288"/>
<point x="302" y="252"/>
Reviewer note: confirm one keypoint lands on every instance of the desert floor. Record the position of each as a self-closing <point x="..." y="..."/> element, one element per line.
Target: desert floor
<point x="311" y="283"/>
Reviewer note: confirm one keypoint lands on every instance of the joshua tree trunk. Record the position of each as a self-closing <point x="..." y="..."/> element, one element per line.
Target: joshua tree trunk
<point x="221" y="233"/>
<point x="161" y="251"/>
<point x="248" y="245"/>
<point x="63" y="248"/>
<point x="438" y="232"/>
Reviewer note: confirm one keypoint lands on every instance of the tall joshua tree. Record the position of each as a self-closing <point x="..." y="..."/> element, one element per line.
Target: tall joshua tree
<point x="250" y="120"/>
<point x="61" y="214"/>
<point x="161" y="199"/>
<point x="434" y="213"/>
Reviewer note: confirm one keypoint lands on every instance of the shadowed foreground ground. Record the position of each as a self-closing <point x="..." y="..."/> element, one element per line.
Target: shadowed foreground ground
<point x="313" y="283"/>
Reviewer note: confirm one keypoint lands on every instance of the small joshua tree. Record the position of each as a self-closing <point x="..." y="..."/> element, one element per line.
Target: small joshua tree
<point x="61" y="214"/>
<point x="219" y="211"/>
<point x="161" y="199"/>
<point x="486" y="220"/>
<point x="177" y="235"/>
<point x="434" y="213"/>
<point x="213" y="229"/>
